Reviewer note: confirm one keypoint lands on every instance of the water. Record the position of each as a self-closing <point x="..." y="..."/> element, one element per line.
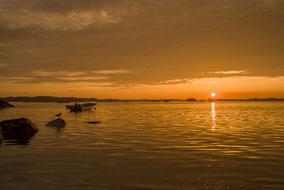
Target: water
<point x="149" y="146"/>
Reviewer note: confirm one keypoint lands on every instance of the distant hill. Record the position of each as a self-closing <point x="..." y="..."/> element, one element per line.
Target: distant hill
<point x="254" y="99"/>
<point x="75" y="99"/>
<point x="48" y="99"/>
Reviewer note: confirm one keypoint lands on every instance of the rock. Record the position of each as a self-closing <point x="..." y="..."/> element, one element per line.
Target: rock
<point x="4" y="104"/>
<point x="93" y="122"/>
<point x="1" y="136"/>
<point x="58" y="123"/>
<point x="21" y="128"/>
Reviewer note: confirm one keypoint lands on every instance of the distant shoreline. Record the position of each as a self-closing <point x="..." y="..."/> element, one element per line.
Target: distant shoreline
<point x="75" y="99"/>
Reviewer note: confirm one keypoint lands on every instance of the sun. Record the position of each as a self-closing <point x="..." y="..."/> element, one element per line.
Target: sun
<point x="213" y="94"/>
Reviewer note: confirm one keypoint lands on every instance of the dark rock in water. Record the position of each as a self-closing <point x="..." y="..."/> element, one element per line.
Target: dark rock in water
<point x="1" y="137"/>
<point x="58" y="115"/>
<point x="58" y="123"/>
<point x="4" y="104"/>
<point x="93" y="122"/>
<point x="21" y="128"/>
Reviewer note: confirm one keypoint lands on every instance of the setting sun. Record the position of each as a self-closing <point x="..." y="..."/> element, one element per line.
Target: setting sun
<point x="213" y="94"/>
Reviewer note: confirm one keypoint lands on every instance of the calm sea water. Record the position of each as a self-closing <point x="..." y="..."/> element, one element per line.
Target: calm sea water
<point x="149" y="146"/>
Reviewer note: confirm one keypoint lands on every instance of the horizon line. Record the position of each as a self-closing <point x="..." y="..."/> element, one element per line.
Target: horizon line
<point x="73" y="98"/>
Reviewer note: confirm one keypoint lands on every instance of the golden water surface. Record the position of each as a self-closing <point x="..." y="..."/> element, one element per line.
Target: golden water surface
<point x="149" y="146"/>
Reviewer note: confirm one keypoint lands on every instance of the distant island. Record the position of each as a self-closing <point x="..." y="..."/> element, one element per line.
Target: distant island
<point x="75" y="99"/>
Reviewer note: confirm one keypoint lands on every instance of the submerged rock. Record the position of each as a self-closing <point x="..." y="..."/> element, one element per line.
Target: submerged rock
<point x="93" y="122"/>
<point x="4" y="104"/>
<point x="21" y="128"/>
<point x="59" y="123"/>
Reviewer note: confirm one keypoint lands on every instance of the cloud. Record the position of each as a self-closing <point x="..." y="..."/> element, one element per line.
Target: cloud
<point x="230" y="72"/>
<point x="141" y="42"/>
<point x="118" y="71"/>
<point x="41" y="73"/>
<point x="174" y="81"/>
<point x="16" y="79"/>
<point x="72" y="20"/>
<point x="45" y="76"/>
<point x="84" y="78"/>
<point x="64" y="76"/>
<point x="53" y="15"/>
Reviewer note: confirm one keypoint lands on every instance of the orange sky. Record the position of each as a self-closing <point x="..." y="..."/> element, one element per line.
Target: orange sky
<point x="142" y="48"/>
<point x="234" y="87"/>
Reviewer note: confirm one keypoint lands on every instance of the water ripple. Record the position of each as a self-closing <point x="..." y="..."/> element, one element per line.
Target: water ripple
<point x="230" y="145"/>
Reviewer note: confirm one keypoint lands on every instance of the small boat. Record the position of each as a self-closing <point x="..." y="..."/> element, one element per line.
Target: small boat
<point x="87" y="106"/>
<point x="80" y="107"/>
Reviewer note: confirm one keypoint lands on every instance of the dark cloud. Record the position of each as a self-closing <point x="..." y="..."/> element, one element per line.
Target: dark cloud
<point x="157" y="41"/>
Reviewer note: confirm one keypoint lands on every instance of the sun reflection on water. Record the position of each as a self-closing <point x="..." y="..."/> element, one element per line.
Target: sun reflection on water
<point x="213" y="115"/>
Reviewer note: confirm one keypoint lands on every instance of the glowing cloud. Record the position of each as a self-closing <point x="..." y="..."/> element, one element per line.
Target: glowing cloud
<point x="229" y="72"/>
<point x="72" y="20"/>
<point x="119" y="71"/>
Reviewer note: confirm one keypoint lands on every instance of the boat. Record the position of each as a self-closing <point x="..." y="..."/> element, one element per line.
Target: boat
<point x="80" y="107"/>
<point x="87" y="106"/>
